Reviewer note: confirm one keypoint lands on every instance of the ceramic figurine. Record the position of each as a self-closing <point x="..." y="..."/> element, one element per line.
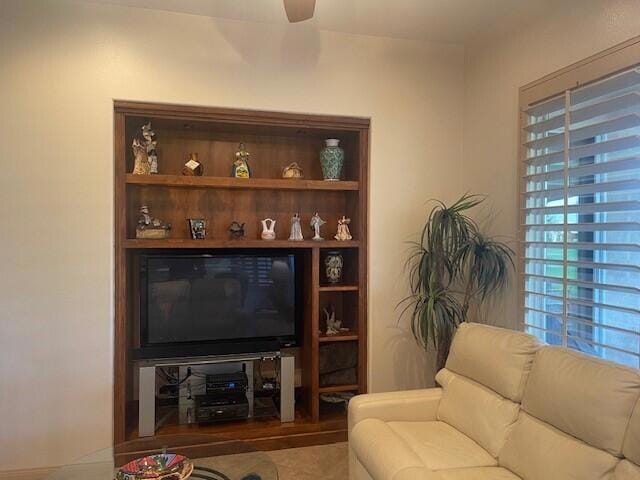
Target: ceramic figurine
<point x="198" y="228"/>
<point x="296" y="229"/>
<point x="150" y="142"/>
<point x="343" y="233"/>
<point x="292" y="171"/>
<point x="193" y="167"/>
<point x="332" y="160"/>
<point x="315" y="223"/>
<point x="149" y="227"/>
<point x="241" y="165"/>
<point x="333" y="325"/>
<point x="333" y="266"/>
<point x="141" y="159"/>
<point x="268" y="229"/>
<point x="236" y="230"/>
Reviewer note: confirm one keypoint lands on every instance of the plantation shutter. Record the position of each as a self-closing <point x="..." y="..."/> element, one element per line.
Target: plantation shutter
<point x="581" y="218"/>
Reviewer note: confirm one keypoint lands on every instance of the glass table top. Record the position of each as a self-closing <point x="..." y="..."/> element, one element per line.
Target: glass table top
<point x="214" y="458"/>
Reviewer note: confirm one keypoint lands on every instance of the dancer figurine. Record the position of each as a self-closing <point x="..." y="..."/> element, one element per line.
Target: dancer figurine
<point x="296" y="229"/>
<point x="343" y="233"/>
<point x="315" y="223"/>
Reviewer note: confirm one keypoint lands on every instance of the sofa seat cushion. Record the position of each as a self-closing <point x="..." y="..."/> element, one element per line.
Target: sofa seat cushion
<point x="535" y="450"/>
<point x="477" y="473"/>
<point x="386" y="448"/>
<point x="626" y="470"/>
<point x="439" y="445"/>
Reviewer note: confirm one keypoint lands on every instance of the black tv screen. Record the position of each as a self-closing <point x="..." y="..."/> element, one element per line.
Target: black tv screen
<point x="217" y="304"/>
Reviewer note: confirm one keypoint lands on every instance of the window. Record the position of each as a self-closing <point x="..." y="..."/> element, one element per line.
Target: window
<point x="580" y="199"/>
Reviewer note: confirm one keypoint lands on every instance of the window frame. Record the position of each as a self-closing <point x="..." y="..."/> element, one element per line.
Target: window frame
<point x="616" y="59"/>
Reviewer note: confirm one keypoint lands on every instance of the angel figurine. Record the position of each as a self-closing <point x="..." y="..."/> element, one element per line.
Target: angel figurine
<point x="241" y="165"/>
<point x="296" y="229"/>
<point x="343" y="229"/>
<point x="315" y="223"/>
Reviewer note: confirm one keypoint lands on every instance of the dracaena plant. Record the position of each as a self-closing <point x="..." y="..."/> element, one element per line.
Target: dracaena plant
<point x="453" y="266"/>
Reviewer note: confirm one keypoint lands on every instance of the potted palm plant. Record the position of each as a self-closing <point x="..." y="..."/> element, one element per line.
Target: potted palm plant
<point x="453" y="266"/>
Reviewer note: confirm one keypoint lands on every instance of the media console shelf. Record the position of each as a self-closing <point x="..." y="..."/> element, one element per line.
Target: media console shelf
<point x="274" y="140"/>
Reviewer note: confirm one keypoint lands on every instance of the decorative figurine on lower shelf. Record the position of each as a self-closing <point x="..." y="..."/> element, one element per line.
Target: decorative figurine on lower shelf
<point x="296" y="229"/>
<point x="149" y="227"/>
<point x="292" y="171"/>
<point x="333" y="325"/>
<point x="343" y="233"/>
<point x="315" y="223"/>
<point x="268" y="229"/>
<point x="236" y="230"/>
<point x="198" y="228"/>
<point x="141" y="159"/>
<point x="193" y="167"/>
<point x="241" y="164"/>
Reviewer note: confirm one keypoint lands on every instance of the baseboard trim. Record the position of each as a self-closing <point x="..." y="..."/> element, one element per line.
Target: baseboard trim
<point x="27" y="473"/>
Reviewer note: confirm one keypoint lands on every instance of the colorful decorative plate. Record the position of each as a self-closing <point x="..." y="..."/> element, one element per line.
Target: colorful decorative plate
<point x="163" y="466"/>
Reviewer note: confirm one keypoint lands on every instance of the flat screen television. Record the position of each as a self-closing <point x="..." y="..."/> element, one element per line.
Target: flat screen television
<point x="218" y="303"/>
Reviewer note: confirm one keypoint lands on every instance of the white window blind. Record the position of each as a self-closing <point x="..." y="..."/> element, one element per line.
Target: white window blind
<point x="581" y="219"/>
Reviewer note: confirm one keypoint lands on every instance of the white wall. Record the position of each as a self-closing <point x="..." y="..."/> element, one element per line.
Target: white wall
<point x="62" y="64"/>
<point x="496" y="66"/>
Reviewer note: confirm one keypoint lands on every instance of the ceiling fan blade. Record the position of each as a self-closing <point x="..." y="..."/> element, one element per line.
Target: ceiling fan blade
<point x="299" y="10"/>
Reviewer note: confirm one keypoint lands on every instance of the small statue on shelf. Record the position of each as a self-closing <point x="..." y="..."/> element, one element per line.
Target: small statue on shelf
<point x="315" y="223"/>
<point x="343" y="233"/>
<point x="236" y="230"/>
<point x="293" y="170"/>
<point x="334" y="327"/>
<point x="296" y="229"/>
<point x="193" y="167"/>
<point x="268" y="229"/>
<point x="241" y="164"/>
<point x="150" y="227"/>
<point x="150" y="142"/>
<point x="198" y="228"/>
<point x="141" y="159"/>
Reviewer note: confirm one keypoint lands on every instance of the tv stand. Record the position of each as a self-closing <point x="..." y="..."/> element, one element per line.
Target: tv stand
<point x="147" y="383"/>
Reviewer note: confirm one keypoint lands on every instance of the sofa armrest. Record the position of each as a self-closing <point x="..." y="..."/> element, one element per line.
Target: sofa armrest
<point x="408" y="405"/>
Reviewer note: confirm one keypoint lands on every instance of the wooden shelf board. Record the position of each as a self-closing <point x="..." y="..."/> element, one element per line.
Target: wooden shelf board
<point x="338" y="388"/>
<point x="340" y="337"/>
<point x="188" y="243"/>
<point x="239" y="183"/>
<point x="339" y="288"/>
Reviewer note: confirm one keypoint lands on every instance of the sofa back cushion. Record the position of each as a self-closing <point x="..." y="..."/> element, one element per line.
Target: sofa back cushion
<point x="583" y="396"/>
<point x="473" y="409"/>
<point x="631" y="447"/>
<point x="535" y="450"/>
<point x="497" y="358"/>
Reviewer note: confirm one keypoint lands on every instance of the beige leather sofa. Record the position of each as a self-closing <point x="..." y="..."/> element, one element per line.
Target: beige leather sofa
<point x="507" y="409"/>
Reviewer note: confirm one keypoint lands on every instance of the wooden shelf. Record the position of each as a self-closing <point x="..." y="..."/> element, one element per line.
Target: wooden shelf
<point x="339" y="337"/>
<point x="339" y="388"/>
<point x="239" y="183"/>
<point x="339" y="288"/>
<point x="188" y="243"/>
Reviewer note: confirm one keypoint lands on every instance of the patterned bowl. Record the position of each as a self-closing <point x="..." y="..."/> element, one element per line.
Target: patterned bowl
<point x="163" y="466"/>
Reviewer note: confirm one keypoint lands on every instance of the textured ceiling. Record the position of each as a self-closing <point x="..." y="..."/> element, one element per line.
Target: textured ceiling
<point x="433" y="20"/>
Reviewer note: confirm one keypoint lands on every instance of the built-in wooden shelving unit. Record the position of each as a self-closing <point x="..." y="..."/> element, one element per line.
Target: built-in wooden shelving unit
<point x="274" y="140"/>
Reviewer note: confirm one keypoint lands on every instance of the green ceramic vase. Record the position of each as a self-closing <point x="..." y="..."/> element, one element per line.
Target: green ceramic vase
<point x="332" y="160"/>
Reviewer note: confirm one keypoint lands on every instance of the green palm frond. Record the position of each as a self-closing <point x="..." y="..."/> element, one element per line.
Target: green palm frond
<point x="452" y="252"/>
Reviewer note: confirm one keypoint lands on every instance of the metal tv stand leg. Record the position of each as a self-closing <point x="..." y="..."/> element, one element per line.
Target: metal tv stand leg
<point x="287" y="388"/>
<point x="147" y="401"/>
